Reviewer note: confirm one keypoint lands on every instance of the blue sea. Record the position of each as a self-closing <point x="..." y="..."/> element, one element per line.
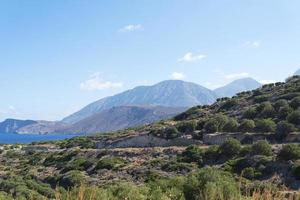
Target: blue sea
<point x="11" y="138"/>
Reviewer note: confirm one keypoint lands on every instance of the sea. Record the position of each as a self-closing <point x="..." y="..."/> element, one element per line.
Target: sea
<point x="12" y="138"/>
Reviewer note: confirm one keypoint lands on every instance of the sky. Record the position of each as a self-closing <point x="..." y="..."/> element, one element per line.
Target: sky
<point x="58" y="56"/>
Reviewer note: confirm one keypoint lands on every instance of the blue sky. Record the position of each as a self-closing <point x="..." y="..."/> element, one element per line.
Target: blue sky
<point x="57" y="56"/>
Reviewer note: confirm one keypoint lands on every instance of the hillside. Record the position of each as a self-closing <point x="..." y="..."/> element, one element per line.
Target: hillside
<point x="122" y="117"/>
<point x="237" y="86"/>
<point x="258" y="159"/>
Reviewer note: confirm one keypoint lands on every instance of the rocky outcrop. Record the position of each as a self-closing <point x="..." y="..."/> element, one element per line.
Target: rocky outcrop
<point x="145" y="140"/>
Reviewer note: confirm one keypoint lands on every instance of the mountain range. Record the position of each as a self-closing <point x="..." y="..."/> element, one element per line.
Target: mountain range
<point x="138" y="106"/>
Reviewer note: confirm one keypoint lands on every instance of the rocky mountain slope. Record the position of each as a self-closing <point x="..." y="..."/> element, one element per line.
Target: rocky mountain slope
<point x="122" y="117"/>
<point x="172" y="93"/>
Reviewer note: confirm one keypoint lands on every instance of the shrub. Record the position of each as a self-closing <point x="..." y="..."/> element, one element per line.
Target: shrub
<point x="261" y="147"/>
<point x="193" y="153"/>
<point x="229" y="104"/>
<point x="230" y="148"/>
<point x="212" y="153"/>
<point x="296" y="172"/>
<point x="187" y="127"/>
<point x="261" y="98"/>
<point x="231" y="126"/>
<point x="247" y="125"/>
<point x="250" y="113"/>
<point x="209" y="184"/>
<point x="283" y="129"/>
<point x="249" y="173"/>
<point x="290" y="152"/>
<point x="284" y="112"/>
<point x="294" y="117"/>
<point x="72" y="178"/>
<point x="265" y="125"/>
<point x="295" y="103"/>
<point x="171" y="132"/>
<point x="110" y="163"/>
<point x="280" y="103"/>
<point x="211" y="126"/>
<point x="266" y="110"/>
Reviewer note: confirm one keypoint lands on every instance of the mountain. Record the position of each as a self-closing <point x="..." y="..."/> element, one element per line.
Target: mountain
<point x="171" y="93"/>
<point x="237" y="86"/>
<point x="297" y="72"/>
<point x="12" y="125"/>
<point x="122" y="117"/>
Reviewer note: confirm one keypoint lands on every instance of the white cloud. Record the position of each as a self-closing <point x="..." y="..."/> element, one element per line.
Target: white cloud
<point x="96" y="83"/>
<point x="131" y="28"/>
<point x="177" y="76"/>
<point x="267" y="81"/>
<point x="237" y="75"/>
<point x="189" y="57"/>
<point x="253" y="44"/>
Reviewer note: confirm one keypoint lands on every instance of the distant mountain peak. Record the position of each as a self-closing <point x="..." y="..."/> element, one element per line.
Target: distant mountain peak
<point x="236" y="86"/>
<point x="169" y="93"/>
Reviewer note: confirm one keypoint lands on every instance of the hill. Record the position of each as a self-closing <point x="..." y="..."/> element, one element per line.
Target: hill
<point x="237" y="86"/>
<point x="172" y="93"/>
<point x="12" y="125"/>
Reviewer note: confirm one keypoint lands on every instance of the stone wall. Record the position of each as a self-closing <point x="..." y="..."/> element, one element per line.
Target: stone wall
<point x="146" y="140"/>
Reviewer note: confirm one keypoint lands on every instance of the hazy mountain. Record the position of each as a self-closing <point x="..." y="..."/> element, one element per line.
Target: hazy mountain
<point x="12" y="125"/>
<point x="237" y="86"/>
<point x="122" y="117"/>
<point x="42" y="127"/>
<point x="171" y="93"/>
<point x="297" y="72"/>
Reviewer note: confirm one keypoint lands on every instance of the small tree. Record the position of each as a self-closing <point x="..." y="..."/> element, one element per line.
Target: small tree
<point x="247" y="125"/>
<point x="187" y="127"/>
<point x="230" y="148"/>
<point x="283" y="129"/>
<point x="193" y="153"/>
<point x="265" y="125"/>
<point x="295" y="103"/>
<point x="294" y="117"/>
<point x="171" y="132"/>
<point x="261" y="147"/>
<point x="231" y="126"/>
<point x="290" y="152"/>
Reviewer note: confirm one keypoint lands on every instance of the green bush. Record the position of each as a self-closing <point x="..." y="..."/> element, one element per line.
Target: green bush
<point x="251" y="113"/>
<point x="295" y="103"/>
<point x="290" y="152"/>
<point x="72" y="178"/>
<point x="229" y="104"/>
<point x="171" y="132"/>
<point x="247" y="125"/>
<point x="193" y="153"/>
<point x="211" y="184"/>
<point x="280" y="103"/>
<point x="284" y="112"/>
<point x="231" y="126"/>
<point x="110" y="163"/>
<point x="262" y="147"/>
<point x="249" y="173"/>
<point x="294" y="117"/>
<point x="283" y="129"/>
<point x="186" y="127"/>
<point x="266" y="110"/>
<point x="230" y="148"/>
<point x="296" y="172"/>
<point x="211" y="126"/>
<point x="265" y="125"/>
<point x="212" y="154"/>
